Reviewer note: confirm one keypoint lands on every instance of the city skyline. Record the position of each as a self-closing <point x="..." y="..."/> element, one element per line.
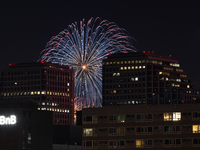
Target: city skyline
<point x="168" y="28"/>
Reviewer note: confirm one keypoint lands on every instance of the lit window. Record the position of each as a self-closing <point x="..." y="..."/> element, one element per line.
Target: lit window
<point x="132" y="79"/>
<point x="188" y="86"/>
<point x="121" y="68"/>
<point x="125" y="68"/>
<point x="87" y="132"/>
<point x="129" y="62"/>
<point x="132" y="61"/>
<point x="172" y="116"/>
<point x="160" y="72"/>
<point x="136" y="78"/>
<point x="136" y="61"/>
<point x="121" y="118"/>
<point x="143" y="67"/>
<point x="136" y="67"/>
<point x="196" y="128"/>
<point x="125" y="62"/>
<point x="139" y="143"/>
<point x="129" y="68"/>
<point x="114" y="74"/>
<point x="140" y="67"/>
<point x="43" y="92"/>
<point x="132" y="67"/>
<point x="122" y="62"/>
<point x="118" y="74"/>
<point x="118" y="62"/>
<point x="114" y="91"/>
<point x="67" y="84"/>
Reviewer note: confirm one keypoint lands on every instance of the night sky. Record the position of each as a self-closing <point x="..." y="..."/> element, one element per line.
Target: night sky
<point x="168" y="27"/>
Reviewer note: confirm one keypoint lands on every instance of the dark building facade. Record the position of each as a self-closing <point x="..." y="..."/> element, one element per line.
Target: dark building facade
<point x="50" y="85"/>
<point x="67" y="135"/>
<point x="23" y="127"/>
<point x="144" y="78"/>
<point x="174" y="127"/>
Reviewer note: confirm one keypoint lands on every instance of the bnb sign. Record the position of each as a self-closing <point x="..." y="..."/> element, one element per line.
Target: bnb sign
<point x="8" y="120"/>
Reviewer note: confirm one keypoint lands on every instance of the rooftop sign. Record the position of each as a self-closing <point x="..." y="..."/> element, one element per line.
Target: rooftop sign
<point x="8" y="120"/>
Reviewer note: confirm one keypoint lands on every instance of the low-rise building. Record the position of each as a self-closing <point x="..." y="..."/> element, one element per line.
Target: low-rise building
<point x="175" y="126"/>
<point x="23" y="127"/>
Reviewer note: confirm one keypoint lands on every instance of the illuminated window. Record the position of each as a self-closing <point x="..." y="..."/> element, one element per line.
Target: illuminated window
<point x="178" y="80"/>
<point x="143" y="67"/>
<point x="140" y="61"/>
<point x="136" y="78"/>
<point x="136" y="61"/>
<point x="118" y="62"/>
<point x="121" y="68"/>
<point x="122" y="62"/>
<point x="196" y="128"/>
<point x="136" y="67"/>
<point x="132" y="61"/>
<point x="118" y="74"/>
<point x="132" y="79"/>
<point x="172" y="116"/>
<point x="129" y="68"/>
<point x="139" y="143"/>
<point x="129" y="62"/>
<point x="125" y="68"/>
<point x="132" y="67"/>
<point x="114" y="74"/>
<point x="121" y="118"/>
<point x="188" y="86"/>
<point x="125" y="62"/>
<point x="114" y="91"/>
<point x="140" y="67"/>
<point x="87" y="132"/>
<point x="111" y="63"/>
<point x="160" y="72"/>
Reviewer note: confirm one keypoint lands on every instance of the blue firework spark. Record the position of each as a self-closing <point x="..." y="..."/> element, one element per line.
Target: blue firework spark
<point x="83" y="48"/>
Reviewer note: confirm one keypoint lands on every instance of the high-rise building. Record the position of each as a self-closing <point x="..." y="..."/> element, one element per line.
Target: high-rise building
<point x="144" y="78"/>
<point x="50" y="85"/>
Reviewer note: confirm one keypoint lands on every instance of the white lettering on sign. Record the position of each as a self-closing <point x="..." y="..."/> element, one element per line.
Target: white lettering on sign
<point x="8" y="120"/>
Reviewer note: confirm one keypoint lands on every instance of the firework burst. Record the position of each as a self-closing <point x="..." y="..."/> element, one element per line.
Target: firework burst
<point x="83" y="48"/>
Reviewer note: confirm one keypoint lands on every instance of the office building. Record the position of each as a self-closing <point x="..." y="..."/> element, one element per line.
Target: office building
<point x="23" y="127"/>
<point x="155" y="127"/>
<point x="145" y="78"/>
<point x="49" y="85"/>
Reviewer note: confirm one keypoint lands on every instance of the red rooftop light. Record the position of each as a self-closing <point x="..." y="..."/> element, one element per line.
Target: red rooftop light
<point x="143" y="51"/>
